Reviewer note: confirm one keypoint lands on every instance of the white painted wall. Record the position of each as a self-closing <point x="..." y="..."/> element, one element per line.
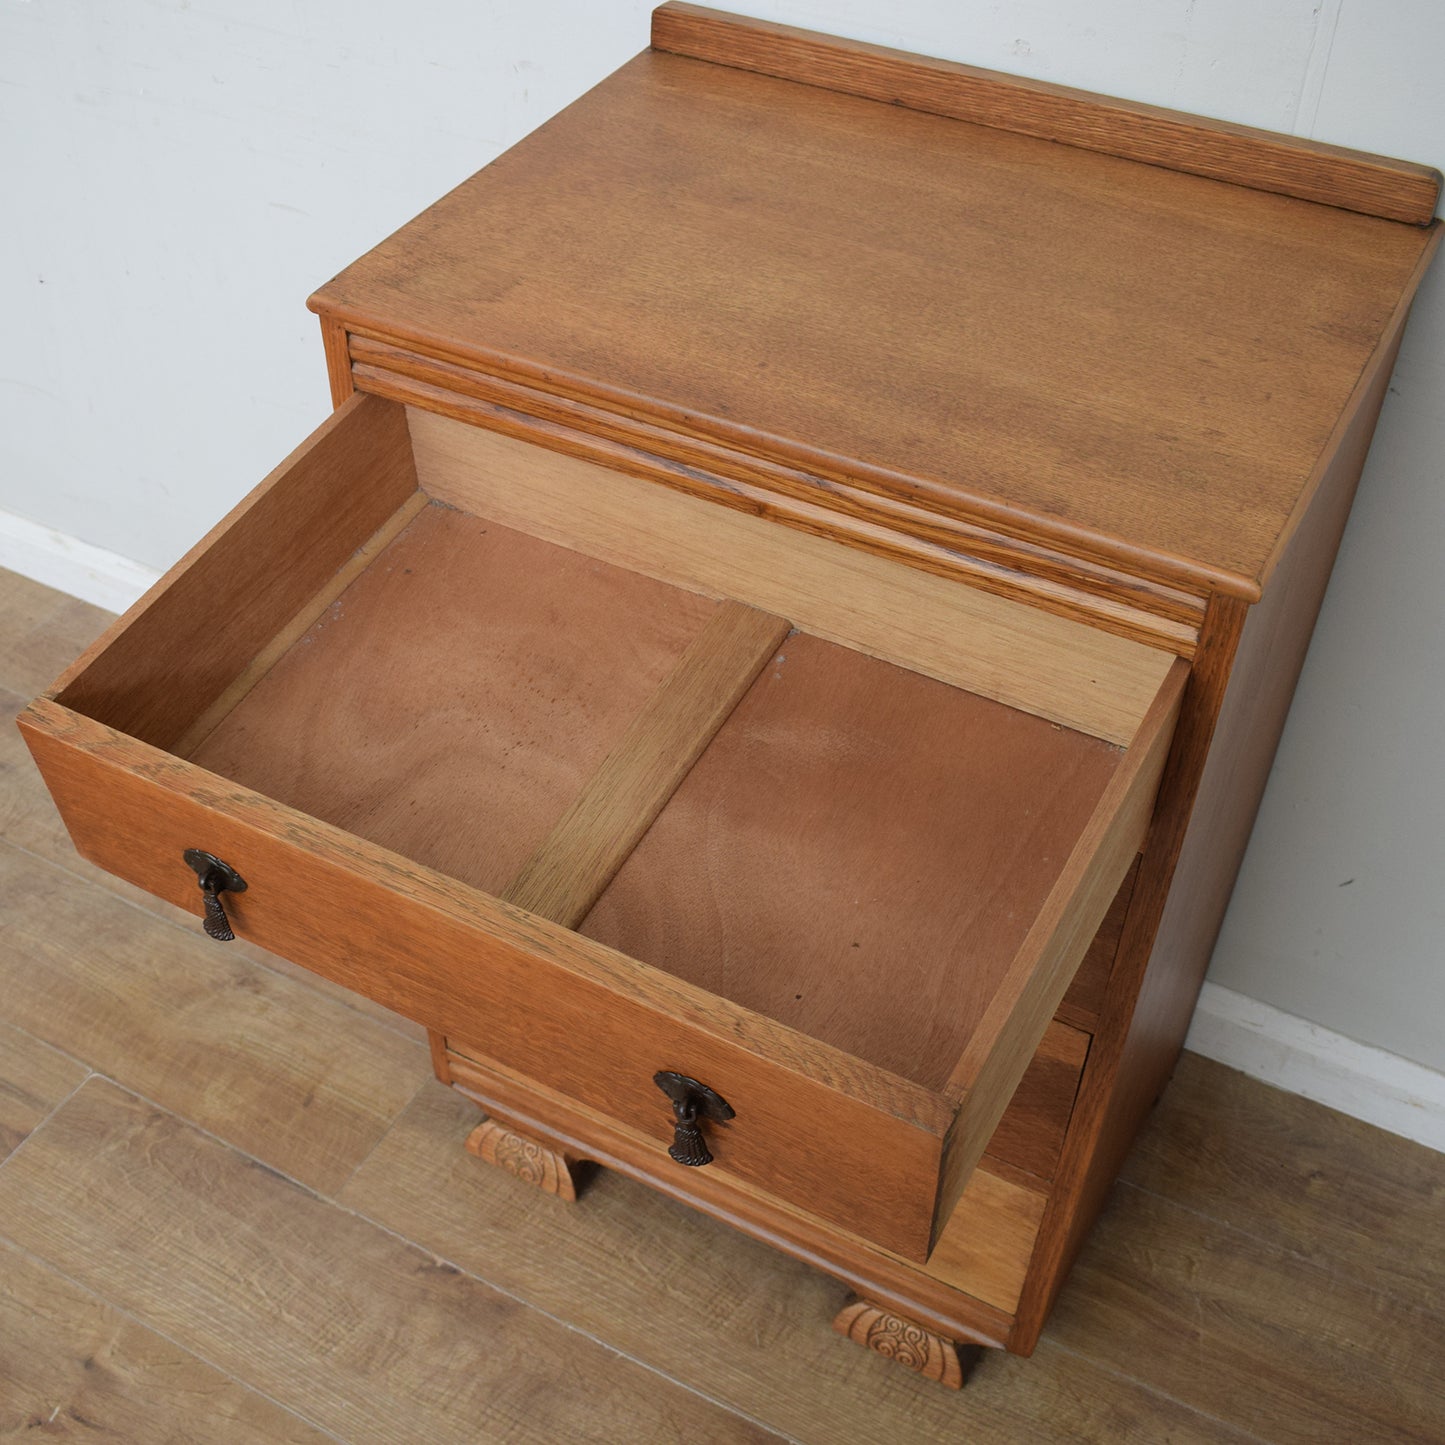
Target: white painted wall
<point x="178" y="175"/>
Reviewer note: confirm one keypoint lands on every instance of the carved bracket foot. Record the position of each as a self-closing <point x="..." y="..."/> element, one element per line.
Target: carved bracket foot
<point x="903" y="1341"/>
<point x="529" y="1159"/>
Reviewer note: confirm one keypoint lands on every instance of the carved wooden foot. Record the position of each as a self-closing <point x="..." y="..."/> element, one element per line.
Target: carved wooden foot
<point x="899" y="1339"/>
<point x="529" y="1159"/>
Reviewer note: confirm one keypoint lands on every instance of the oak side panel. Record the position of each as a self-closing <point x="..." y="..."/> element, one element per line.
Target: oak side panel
<point x="1245" y="675"/>
<point x="172" y="655"/>
<point x="1242" y="155"/>
<point x="1016" y="654"/>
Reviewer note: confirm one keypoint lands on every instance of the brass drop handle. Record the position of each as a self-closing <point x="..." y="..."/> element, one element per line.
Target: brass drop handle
<point x="215" y="879"/>
<point x="691" y="1102"/>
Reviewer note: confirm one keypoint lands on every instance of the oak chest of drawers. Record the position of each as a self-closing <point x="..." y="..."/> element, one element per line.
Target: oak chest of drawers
<point x="774" y="657"/>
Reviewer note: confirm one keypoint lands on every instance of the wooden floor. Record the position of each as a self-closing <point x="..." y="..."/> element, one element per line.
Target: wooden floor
<point x="235" y="1207"/>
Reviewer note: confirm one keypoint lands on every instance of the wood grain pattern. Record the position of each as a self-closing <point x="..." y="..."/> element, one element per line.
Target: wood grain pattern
<point x="1297" y="1176"/>
<point x="830" y="507"/>
<point x="451" y="703"/>
<point x="986" y="1245"/>
<point x="1057" y="939"/>
<point x="44" y="629"/>
<point x="902" y="1341"/>
<point x="338" y="363"/>
<point x="1271" y="1344"/>
<point x="970" y="1295"/>
<point x="304" y="1083"/>
<point x="1051" y="666"/>
<point x="1090" y="985"/>
<point x="163" y="663"/>
<point x="1207" y="804"/>
<point x="328" y="1314"/>
<point x="859" y="855"/>
<point x="458" y="961"/>
<point x="1242" y="155"/>
<point x="751" y="1328"/>
<point x="77" y="1367"/>
<point x="34" y="1078"/>
<point x="306" y="617"/>
<point x="593" y="838"/>
<point x="903" y="309"/>
<point x="525" y="1158"/>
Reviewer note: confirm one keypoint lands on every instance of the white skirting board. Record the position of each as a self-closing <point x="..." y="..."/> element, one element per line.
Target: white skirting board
<point x="1263" y="1042"/>
<point x="70" y="565"/>
<point x="1277" y="1048"/>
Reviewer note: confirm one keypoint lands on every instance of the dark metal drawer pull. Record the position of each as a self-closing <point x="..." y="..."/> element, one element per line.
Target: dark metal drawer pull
<point x="215" y="879"/>
<point x="691" y="1101"/>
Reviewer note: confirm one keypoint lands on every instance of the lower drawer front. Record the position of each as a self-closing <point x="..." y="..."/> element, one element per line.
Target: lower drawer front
<point x="553" y="1006"/>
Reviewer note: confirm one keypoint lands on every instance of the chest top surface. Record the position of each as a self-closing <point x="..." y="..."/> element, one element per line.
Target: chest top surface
<point x="1110" y="354"/>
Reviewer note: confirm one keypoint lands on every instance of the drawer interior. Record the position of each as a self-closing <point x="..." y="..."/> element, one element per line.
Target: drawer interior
<point x="868" y="850"/>
<point x="858" y="853"/>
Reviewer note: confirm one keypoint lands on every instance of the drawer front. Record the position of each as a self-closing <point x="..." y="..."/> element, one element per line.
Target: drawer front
<point x="549" y="1004"/>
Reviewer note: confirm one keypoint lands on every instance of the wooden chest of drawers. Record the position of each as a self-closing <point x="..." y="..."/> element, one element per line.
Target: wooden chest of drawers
<point x="775" y="655"/>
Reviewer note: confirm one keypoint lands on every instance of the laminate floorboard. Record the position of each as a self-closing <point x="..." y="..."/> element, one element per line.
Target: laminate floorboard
<point x="34" y="1079"/>
<point x="77" y="1368"/>
<point x="266" y="1228"/>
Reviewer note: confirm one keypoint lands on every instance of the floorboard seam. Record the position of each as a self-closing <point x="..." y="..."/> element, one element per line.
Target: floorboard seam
<point x="1334" y="1267"/>
<point x="15" y="1152"/>
<point x="53" y="1268"/>
<point x="324" y="1198"/>
<point x="1122" y="1375"/>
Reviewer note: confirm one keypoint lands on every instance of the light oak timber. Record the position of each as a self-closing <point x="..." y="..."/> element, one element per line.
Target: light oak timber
<point x="459" y="961"/>
<point x="985" y="1247"/>
<point x="574" y="864"/>
<point x="1110" y="1106"/>
<point x="338" y="364"/>
<point x="826" y="506"/>
<point x="1016" y="654"/>
<point x="172" y="654"/>
<point x="902" y="1341"/>
<point x="1208" y="800"/>
<point x="996" y="1218"/>
<point x="1061" y="933"/>
<point x="457" y="697"/>
<point x="77" y="1367"/>
<point x="298" y="626"/>
<point x="327" y="1314"/>
<point x="525" y="1158"/>
<point x="1241" y="155"/>
<point x="859" y="855"/>
<point x="1082" y="425"/>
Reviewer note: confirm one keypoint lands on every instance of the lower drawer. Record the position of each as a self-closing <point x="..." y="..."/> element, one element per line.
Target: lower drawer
<point x="605" y="824"/>
<point x="976" y="1274"/>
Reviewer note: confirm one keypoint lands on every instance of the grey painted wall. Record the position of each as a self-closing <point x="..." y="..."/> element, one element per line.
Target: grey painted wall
<point x="178" y="175"/>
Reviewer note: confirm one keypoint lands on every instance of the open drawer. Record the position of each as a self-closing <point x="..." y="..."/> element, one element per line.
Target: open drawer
<point x="603" y="780"/>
